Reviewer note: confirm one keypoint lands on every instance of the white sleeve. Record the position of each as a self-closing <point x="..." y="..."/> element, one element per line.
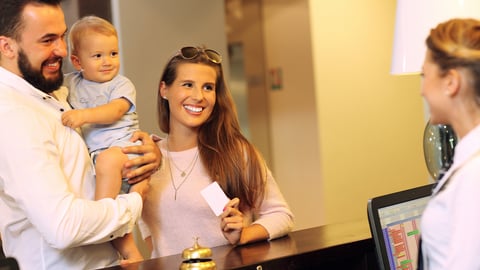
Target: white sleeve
<point x="464" y="218"/>
<point x="43" y="173"/>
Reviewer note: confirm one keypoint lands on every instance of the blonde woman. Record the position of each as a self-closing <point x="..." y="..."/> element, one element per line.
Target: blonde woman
<point x="451" y="86"/>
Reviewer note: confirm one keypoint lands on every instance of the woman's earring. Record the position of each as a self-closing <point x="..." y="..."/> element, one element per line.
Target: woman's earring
<point x="164" y="97"/>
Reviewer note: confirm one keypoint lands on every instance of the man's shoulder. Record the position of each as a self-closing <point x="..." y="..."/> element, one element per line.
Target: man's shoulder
<point x="61" y="94"/>
<point x="69" y="77"/>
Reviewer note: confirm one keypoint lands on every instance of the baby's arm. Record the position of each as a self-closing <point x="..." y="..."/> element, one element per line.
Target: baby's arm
<point x="104" y="114"/>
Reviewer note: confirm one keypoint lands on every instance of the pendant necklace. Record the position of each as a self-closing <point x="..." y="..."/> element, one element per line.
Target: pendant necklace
<point x="183" y="173"/>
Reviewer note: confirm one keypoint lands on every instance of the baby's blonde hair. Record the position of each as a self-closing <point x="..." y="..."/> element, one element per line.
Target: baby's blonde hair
<point x="88" y="24"/>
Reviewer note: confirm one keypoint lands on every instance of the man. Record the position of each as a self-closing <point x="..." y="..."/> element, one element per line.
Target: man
<point x="47" y="217"/>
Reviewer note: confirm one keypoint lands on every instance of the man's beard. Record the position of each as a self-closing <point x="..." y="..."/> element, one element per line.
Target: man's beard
<point x="36" y="78"/>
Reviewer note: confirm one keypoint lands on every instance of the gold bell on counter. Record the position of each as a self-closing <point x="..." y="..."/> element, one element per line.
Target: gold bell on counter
<point x="197" y="258"/>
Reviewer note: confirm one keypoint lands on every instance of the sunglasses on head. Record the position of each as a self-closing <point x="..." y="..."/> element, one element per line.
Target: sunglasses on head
<point x="192" y="52"/>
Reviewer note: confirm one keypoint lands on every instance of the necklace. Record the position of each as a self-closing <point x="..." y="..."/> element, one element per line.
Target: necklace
<point x="183" y="173"/>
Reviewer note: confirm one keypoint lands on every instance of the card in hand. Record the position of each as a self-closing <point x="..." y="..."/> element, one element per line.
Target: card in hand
<point x="215" y="197"/>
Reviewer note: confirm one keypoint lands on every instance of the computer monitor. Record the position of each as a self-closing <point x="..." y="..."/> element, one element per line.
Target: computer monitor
<point x="395" y="226"/>
<point x="8" y="264"/>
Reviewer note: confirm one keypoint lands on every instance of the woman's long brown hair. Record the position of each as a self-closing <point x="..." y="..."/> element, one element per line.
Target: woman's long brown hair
<point x="229" y="157"/>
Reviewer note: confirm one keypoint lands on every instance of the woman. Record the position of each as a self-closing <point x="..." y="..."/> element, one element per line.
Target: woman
<point x="204" y="145"/>
<point x="451" y="87"/>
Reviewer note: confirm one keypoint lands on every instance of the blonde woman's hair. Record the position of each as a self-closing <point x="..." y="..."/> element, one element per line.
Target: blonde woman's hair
<point x="456" y="44"/>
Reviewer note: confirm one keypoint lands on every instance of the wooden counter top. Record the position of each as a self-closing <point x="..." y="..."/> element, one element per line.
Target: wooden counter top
<point x="334" y="246"/>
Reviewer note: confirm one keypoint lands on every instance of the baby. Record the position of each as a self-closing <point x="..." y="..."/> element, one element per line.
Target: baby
<point x="103" y="105"/>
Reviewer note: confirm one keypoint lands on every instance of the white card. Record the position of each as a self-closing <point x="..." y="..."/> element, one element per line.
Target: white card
<point x="215" y="197"/>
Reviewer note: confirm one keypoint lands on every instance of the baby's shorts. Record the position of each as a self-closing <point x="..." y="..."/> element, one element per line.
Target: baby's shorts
<point x="123" y="143"/>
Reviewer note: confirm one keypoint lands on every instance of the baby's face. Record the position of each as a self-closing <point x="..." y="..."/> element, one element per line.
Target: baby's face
<point x="98" y="57"/>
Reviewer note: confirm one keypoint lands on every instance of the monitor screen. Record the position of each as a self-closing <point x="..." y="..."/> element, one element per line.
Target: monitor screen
<point x="400" y="225"/>
<point x="395" y="226"/>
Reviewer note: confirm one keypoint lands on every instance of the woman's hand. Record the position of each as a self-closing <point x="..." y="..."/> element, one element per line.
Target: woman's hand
<point x="147" y="163"/>
<point x="232" y="222"/>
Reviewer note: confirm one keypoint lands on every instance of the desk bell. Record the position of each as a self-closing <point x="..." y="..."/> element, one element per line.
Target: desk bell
<point x="197" y="258"/>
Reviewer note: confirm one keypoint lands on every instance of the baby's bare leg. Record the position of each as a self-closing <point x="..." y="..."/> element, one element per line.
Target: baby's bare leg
<point x="108" y="167"/>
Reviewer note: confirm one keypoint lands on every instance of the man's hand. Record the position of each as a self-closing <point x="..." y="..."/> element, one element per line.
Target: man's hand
<point x="143" y="166"/>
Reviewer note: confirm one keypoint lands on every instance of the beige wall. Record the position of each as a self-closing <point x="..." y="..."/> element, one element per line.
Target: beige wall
<point x="244" y="26"/>
<point x="293" y="111"/>
<point x="370" y="122"/>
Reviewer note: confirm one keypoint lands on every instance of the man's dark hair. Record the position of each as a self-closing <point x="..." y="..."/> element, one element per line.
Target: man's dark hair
<point x="11" y="15"/>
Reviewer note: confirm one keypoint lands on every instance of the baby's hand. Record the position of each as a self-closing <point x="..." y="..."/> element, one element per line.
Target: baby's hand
<point x="73" y="118"/>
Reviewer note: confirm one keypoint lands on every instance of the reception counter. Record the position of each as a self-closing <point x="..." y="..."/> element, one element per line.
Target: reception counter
<point x="336" y="246"/>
